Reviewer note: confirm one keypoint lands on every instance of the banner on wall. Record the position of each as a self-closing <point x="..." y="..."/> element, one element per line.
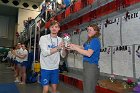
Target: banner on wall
<point x="122" y="60"/>
<point x="105" y="60"/>
<point x="111" y="32"/>
<point x="137" y="60"/>
<point x="131" y="28"/>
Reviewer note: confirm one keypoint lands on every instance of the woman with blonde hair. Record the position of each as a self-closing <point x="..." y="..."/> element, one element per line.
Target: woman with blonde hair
<point x="91" y="54"/>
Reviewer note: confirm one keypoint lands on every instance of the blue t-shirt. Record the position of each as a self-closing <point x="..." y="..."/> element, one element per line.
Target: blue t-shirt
<point x="95" y="45"/>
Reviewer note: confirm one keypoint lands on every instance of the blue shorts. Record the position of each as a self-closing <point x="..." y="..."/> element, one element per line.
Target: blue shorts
<point x="24" y="63"/>
<point x="16" y="62"/>
<point x="49" y="77"/>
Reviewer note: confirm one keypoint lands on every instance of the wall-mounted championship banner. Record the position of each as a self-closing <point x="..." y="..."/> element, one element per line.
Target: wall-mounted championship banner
<point x="131" y="28"/>
<point x="137" y="60"/>
<point x="105" y="60"/>
<point x="122" y="61"/>
<point x="111" y="32"/>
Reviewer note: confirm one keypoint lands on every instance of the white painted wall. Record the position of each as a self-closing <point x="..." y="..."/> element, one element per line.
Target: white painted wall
<point x="23" y="15"/>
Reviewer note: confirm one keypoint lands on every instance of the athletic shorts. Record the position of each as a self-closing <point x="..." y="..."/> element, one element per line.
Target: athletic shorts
<point x="49" y="77"/>
<point x="16" y="62"/>
<point x="24" y="63"/>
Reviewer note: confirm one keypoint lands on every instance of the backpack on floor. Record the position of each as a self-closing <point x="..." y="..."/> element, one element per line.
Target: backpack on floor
<point x="32" y="77"/>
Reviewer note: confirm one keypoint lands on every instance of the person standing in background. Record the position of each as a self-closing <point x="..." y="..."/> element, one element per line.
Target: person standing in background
<point x="17" y="62"/>
<point x="23" y="64"/>
<point x="91" y="55"/>
<point x="66" y="2"/>
<point x="46" y="10"/>
<point x="51" y="48"/>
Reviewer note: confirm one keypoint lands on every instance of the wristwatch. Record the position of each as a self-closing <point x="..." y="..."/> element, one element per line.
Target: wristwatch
<point x="58" y="49"/>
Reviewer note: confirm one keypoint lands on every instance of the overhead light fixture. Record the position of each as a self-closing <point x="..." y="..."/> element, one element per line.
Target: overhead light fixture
<point x="5" y="1"/>
<point x="34" y="7"/>
<point x="15" y="2"/>
<point x="25" y="5"/>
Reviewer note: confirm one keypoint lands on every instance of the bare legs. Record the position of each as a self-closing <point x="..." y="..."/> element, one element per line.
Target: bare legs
<point x="46" y="88"/>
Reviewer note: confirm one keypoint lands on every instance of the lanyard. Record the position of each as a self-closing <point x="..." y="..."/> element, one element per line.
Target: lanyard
<point x="53" y="43"/>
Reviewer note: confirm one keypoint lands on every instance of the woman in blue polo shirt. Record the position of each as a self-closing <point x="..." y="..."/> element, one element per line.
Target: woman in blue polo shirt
<point x="91" y="54"/>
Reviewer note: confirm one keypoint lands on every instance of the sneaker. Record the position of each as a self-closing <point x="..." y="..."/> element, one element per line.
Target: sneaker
<point x="16" y="81"/>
